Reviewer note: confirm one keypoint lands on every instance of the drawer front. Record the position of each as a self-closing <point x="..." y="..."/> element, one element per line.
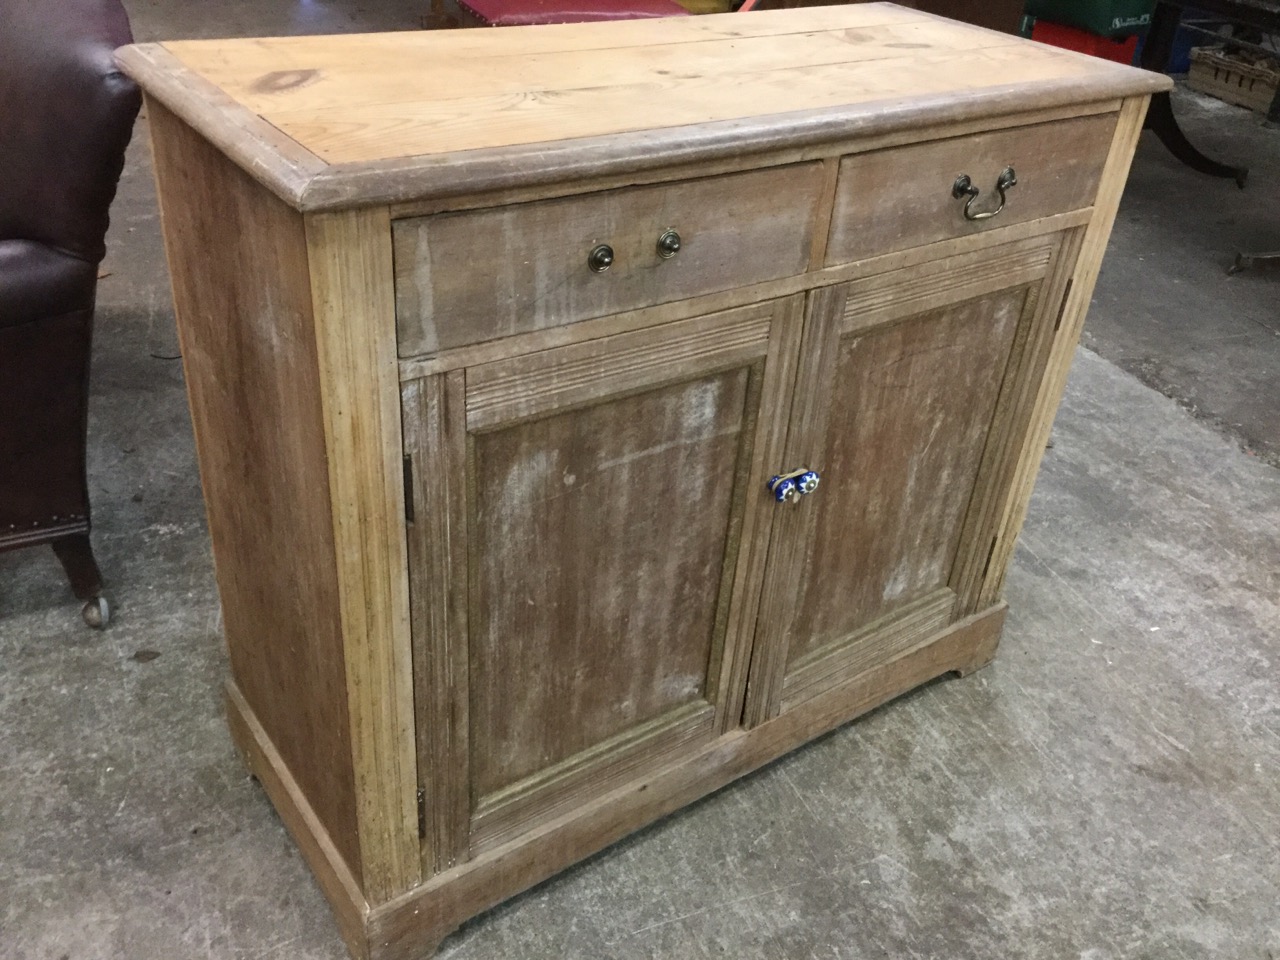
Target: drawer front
<point x="469" y="277"/>
<point x="898" y="198"/>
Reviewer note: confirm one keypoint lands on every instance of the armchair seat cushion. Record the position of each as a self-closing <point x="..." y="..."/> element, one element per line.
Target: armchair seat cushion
<point x="38" y="281"/>
<point x="516" y="13"/>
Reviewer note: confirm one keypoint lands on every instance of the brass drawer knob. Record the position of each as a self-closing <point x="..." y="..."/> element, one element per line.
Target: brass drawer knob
<point x="668" y="244"/>
<point x="600" y="259"/>
<point x="963" y="187"/>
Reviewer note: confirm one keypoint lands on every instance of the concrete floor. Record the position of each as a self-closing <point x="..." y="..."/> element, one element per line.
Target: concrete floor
<point x="1109" y="788"/>
<point x="1165" y="308"/>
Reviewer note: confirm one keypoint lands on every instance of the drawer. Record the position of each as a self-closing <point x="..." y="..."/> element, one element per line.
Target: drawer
<point x="889" y="200"/>
<point x="468" y="277"/>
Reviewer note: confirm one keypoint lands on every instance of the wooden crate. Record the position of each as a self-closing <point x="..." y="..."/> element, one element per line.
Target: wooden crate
<point x="1235" y="78"/>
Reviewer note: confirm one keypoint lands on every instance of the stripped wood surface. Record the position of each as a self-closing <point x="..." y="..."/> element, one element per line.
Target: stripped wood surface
<point x="341" y="888"/>
<point x="576" y="634"/>
<point x="871" y="269"/>
<point x="241" y="285"/>
<point x="411" y="926"/>
<point x="435" y="444"/>
<point x="351" y="275"/>
<point x="1076" y="303"/>
<point x="911" y="405"/>
<point x="734" y="229"/>
<point x="906" y="372"/>
<point x="536" y="583"/>
<point x="362" y="99"/>
<point x="395" y="117"/>
<point x="304" y="76"/>
<point x="900" y="198"/>
<point x="883" y="298"/>
<point x="580" y="660"/>
<point x="524" y="386"/>
<point x="1028" y="358"/>
<point x="873" y="643"/>
<point x="534" y="185"/>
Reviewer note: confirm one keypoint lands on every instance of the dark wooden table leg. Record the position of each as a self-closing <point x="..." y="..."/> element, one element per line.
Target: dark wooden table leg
<point x="1245" y="261"/>
<point x="1162" y="122"/>
<point x="1160" y="117"/>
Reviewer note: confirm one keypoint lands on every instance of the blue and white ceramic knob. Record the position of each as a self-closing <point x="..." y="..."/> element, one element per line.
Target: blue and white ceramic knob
<point x="784" y="489"/>
<point x="807" y="482"/>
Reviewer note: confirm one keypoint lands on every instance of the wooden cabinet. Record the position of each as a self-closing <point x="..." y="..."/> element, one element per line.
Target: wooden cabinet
<point x="497" y="343"/>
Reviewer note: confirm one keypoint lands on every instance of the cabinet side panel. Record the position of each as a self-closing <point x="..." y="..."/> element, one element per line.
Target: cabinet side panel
<point x="238" y="258"/>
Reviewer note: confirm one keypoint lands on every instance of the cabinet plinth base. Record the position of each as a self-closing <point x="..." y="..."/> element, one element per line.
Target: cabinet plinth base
<point x="337" y="883"/>
<point x="411" y="926"/>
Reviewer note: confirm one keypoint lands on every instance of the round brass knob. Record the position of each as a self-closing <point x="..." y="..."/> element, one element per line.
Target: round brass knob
<point x="601" y="258"/>
<point x="668" y="244"/>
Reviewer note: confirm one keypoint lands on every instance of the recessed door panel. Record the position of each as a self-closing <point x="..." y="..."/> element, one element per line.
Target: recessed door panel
<point x="599" y="544"/>
<point x="910" y="410"/>
<point x="912" y="386"/>
<point x="581" y="602"/>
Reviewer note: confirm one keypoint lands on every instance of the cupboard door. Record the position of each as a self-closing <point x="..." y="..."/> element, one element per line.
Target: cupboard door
<point x="912" y="390"/>
<point x="578" y="587"/>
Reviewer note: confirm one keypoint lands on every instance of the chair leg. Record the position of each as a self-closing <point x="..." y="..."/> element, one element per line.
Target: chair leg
<point x="76" y="554"/>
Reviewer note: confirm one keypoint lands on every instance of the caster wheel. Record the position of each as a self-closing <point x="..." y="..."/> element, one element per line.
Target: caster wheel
<point x="97" y="613"/>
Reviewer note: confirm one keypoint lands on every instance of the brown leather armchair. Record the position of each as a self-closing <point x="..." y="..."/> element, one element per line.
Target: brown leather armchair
<point x="68" y="115"/>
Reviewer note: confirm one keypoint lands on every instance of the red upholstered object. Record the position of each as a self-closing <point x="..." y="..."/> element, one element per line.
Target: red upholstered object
<point x="517" y="13"/>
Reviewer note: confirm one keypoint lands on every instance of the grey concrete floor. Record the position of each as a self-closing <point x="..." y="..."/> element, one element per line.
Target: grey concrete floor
<point x="1109" y="788"/>
<point x="1165" y="308"/>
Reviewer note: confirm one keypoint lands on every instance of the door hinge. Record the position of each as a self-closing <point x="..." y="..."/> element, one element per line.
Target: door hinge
<point x="1062" y="308"/>
<point x="408" y="488"/>
<point x="422" y="813"/>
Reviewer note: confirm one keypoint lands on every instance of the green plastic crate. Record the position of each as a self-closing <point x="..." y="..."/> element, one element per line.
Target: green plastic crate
<point x="1106" y="18"/>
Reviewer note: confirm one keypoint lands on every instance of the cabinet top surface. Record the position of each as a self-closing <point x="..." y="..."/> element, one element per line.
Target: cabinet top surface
<point x="346" y="109"/>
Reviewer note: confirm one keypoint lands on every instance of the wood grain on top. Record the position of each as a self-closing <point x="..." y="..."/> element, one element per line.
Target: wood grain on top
<point x="369" y="119"/>
<point x="375" y="98"/>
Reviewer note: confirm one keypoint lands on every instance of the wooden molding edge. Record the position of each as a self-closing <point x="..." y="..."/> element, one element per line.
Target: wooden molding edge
<point x="835" y="149"/>
<point x="403" y="179"/>
<point x="277" y="161"/>
<point x="409" y="927"/>
<point x="335" y="878"/>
